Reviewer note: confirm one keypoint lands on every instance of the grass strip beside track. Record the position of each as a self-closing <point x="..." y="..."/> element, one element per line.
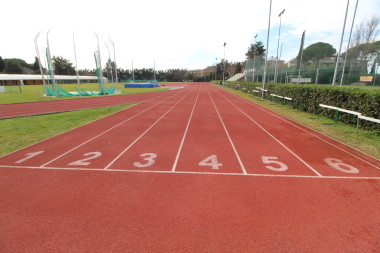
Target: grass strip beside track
<point x="20" y="132"/>
<point x="33" y="93"/>
<point x="366" y="142"/>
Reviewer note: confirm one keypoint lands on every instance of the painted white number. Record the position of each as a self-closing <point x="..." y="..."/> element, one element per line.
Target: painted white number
<point x="149" y="160"/>
<point x="92" y="155"/>
<point x="339" y="165"/>
<point x="272" y="160"/>
<point x="29" y="155"/>
<point x="211" y="161"/>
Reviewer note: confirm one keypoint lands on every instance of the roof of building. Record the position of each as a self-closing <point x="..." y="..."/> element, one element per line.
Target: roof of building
<point x="39" y="77"/>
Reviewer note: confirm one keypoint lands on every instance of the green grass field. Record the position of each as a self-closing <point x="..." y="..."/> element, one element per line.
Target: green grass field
<point x="366" y="142"/>
<point x="17" y="133"/>
<point x="33" y="93"/>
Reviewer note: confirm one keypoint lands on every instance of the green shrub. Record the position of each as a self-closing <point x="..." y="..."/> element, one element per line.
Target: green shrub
<point x="308" y="97"/>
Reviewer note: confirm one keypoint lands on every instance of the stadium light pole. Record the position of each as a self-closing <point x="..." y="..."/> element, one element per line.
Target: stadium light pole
<point x="76" y="63"/>
<point x="348" y="43"/>
<point x="278" y="45"/>
<point x="340" y="47"/>
<point x="100" y="64"/>
<point x="39" y="60"/>
<point x="266" y="55"/>
<point x="110" y="62"/>
<point x="216" y="66"/>
<point x="114" y="58"/>
<point x="224" y="61"/>
<point x="50" y="65"/>
<point x="254" y="59"/>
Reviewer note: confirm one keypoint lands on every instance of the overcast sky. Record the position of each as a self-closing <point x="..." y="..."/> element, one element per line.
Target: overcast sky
<point x="173" y="33"/>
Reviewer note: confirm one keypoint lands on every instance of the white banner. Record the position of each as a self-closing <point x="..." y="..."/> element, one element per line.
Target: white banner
<point x="2" y="88"/>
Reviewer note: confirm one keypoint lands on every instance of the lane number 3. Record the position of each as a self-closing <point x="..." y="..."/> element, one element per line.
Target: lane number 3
<point x="149" y="158"/>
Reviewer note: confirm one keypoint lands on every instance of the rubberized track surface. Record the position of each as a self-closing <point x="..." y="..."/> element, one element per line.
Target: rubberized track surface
<point x="46" y="107"/>
<point x="195" y="170"/>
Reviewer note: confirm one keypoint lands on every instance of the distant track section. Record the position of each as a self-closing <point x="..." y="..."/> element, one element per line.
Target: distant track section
<point x="47" y="107"/>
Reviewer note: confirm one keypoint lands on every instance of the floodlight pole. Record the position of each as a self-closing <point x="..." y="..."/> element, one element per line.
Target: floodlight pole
<point x="110" y="61"/>
<point x="76" y="63"/>
<point x="216" y="67"/>
<point x="348" y="43"/>
<point x="224" y="61"/>
<point x="114" y="58"/>
<point x="278" y="44"/>
<point x="39" y="60"/>
<point x="266" y="55"/>
<point x="254" y="60"/>
<point x="340" y="47"/>
<point x="133" y="73"/>
<point x="154" y="71"/>
<point x="100" y="65"/>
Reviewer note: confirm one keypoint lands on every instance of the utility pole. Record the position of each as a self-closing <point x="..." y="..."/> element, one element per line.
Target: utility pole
<point x="278" y="44"/>
<point x="340" y="47"/>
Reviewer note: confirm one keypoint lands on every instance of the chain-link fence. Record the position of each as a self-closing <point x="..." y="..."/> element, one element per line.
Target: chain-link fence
<point x="321" y="72"/>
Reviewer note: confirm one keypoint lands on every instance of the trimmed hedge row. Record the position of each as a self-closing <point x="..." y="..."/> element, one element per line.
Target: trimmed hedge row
<point x="308" y="97"/>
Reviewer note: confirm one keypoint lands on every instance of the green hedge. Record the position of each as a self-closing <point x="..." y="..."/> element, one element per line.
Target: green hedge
<point x="308" y="97"/>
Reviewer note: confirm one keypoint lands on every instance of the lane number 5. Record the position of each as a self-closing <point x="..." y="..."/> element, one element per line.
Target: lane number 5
<point x="272" y="160"/>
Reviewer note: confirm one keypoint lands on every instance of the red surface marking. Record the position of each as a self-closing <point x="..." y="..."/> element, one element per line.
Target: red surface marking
<point x="114" y="142"/>
<point x="206" y="137"/>
<point x="79" y="211"/>
<point x="309" y="148"/>
<point x="252" y="143"/>
<point x="35" y="108"/>
<point x="162" y="140"/>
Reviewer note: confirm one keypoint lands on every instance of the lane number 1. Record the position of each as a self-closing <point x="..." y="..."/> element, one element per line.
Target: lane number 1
<point x="29" y="155"/>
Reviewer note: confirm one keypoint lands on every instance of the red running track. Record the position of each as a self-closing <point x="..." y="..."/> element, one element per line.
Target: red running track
<point x="199" y="170"/>
<point x="46" y="107"/>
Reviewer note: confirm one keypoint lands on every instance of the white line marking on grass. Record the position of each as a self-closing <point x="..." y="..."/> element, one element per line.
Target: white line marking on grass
<point x="138" y="138"/>
<point x="187" y="172"/>
<point x="309" y="132"/>
<point x="184" y="134"/>
<point x="104" y="132"/>
<point x="228" y="135"/>
<point x="282" y="144"/>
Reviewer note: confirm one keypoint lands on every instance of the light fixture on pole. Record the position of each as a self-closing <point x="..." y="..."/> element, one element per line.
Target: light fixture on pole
<point x="340" y="47"/>
<point x="114" y="58"/>
<point x="39" y="60"/>
<point x="278" y="44"/>
<point x="266" y="54"/>
<point x="348" y="43"/>
<point x="224" y="61"/>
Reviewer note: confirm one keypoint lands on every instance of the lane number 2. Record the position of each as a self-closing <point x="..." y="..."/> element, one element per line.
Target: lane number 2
<point x="211" y="161"/>
<point x="83" y="162"/>
<point x="272" y="160"/>
<point x="149" y="158"/>
<point x="29" y="155"/>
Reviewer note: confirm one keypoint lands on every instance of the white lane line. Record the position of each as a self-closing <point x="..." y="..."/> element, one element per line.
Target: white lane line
<point x="77" y="127"/>
<point x="138" y="138"/>
<point x="282" y="144"/>
<point x="104" y="132"/>
<point x="185" y="133"/>
<point x="187" y="172"/>
<point x="311" y="132"/>
<point x="228" y="135"/>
